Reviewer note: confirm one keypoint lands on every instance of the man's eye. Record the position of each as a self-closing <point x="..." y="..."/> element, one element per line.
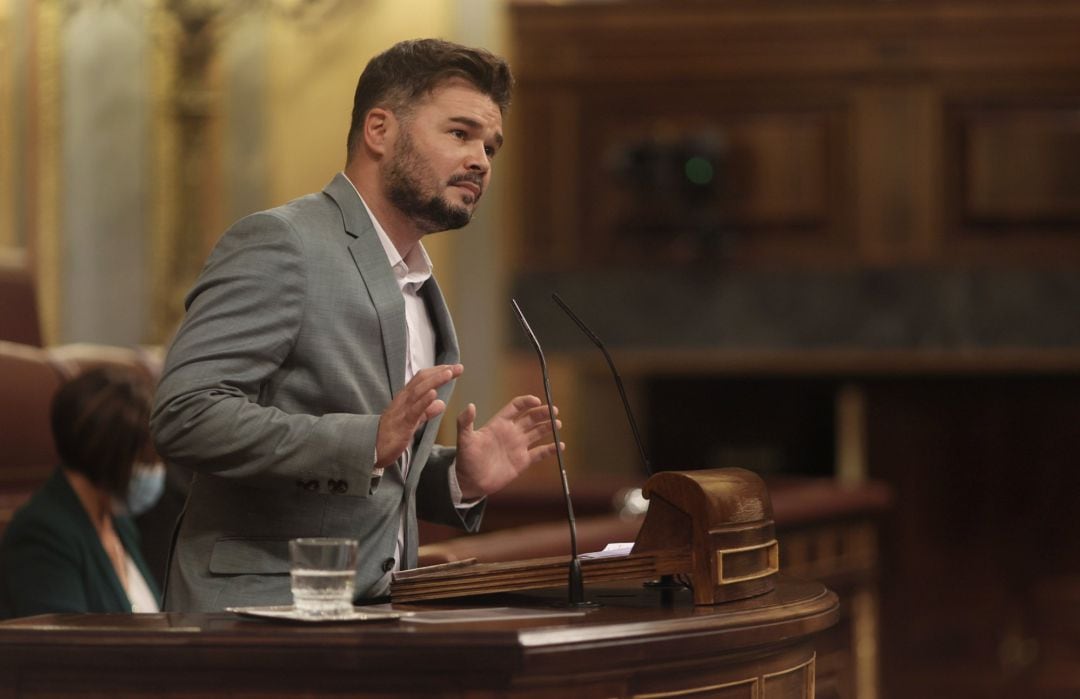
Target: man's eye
<point x="458" y="134"/>
<point x="490" y="151"/>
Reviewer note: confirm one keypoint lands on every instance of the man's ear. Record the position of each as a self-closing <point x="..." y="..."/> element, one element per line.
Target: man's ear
<point x="380" y="130"/>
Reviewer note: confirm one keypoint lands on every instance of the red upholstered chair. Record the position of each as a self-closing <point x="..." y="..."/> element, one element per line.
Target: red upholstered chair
<point x="27" y="456"/>
<point x="72" y="359"/>
<point x="19" y="320"/>
<point x="29" y="377"/>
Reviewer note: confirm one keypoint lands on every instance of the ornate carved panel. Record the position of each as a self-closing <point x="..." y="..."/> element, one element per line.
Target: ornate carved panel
<point x="1020" y="166"/>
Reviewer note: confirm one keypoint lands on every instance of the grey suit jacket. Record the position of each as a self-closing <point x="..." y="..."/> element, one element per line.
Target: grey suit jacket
<point x="294" y="342"/>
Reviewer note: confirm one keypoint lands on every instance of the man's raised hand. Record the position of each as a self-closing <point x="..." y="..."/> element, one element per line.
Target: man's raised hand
<point x="516" y="437"/>
<point x="415" y="404"/>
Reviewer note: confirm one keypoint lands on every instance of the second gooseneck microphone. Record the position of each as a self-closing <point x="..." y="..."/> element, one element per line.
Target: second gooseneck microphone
<point x="576" y="585"/>
<point x="618" y="380"/>
<point x="667" y="582"/>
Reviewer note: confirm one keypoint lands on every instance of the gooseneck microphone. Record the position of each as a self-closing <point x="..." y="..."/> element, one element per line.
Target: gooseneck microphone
<point x="576" y="586"/>
<point x="666" y="583"/>
<point x="614" y="372"/>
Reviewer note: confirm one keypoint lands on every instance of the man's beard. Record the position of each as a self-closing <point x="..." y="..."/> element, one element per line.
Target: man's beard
<point x="406" y="173"/>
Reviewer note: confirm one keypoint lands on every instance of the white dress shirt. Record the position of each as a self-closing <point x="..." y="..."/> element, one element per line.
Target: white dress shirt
<point x="137" y="590"/>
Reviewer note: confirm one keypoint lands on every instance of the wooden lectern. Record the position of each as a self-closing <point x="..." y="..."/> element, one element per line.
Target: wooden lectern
<point x="743" y="633"/>
<point x="714" y="529"/>
<point x="634" y="646"/>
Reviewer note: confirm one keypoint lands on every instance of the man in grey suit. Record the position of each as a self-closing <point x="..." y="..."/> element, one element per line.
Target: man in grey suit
<point x="307" y="381"/>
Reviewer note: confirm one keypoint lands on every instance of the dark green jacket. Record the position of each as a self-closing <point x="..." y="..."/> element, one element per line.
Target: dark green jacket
<point x="51" y="559"/>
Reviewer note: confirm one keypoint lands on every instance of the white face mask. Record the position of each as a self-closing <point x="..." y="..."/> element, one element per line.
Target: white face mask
<point x="146" y="487"/>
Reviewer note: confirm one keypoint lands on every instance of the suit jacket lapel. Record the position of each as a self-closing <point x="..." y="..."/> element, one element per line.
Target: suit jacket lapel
<point x="446" y="347"/>
<point x="378" y="277"/>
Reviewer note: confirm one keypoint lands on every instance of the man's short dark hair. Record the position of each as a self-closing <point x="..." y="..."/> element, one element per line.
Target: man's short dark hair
<point x="101" y="423"/>
<point x="406" y="72"/>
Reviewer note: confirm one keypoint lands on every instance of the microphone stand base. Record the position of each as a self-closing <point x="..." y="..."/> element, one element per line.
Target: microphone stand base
<point x="666" y="582"/>
<point x="575" y="587"/>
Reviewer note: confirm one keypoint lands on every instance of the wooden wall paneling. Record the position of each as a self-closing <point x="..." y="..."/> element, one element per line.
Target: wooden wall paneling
<point x="897" y="181"/>
<point x="629" y="42"/>
<point x="1011" y="176"/>
<point x="786" y="169"/>
<point x="566" y="175"/>
<point x="1022" y="165"/>
<point x="547" y="128"/>
<point x="896" y="67"/>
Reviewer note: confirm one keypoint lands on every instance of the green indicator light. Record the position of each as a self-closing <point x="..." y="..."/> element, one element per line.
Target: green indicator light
<point x="698" y="170"/>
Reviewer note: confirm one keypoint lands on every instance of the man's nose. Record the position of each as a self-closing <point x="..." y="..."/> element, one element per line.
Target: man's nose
<point x="478" y="159"/>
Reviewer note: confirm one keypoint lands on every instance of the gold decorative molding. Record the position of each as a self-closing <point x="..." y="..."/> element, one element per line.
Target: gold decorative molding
<point x="851" y="466"/>
<point x="772" y="553"/>
<point x="188" y="134"/>
<point x="757" y="686"/>
<point x="865" y="635"/>
<point x="753" y="684"/>
<point x="44" y="238"/>
<point x="809" y="669"/>
<point x="165" y="33"/>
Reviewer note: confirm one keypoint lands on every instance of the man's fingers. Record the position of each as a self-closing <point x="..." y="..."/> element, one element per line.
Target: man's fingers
<point x="535" y="416"/>
<point x="544" y="451"/>
<point x="467" y="418"/>
<point x="416" y="403"/>
<point x="426" y="402"/>
<point x="526" y="402"/>
<point x="517" y="406"/>
<point x="541" y="431"/>
<point x="413" y="408"/>
<point x="419" y="395"/>
<point x="430" y="379"/>
<point x="434" y="408"/>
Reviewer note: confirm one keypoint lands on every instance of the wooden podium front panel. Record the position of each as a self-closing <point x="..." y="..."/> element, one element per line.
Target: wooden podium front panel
<point x="780" y="675"/>
<point x="634" y="645"/>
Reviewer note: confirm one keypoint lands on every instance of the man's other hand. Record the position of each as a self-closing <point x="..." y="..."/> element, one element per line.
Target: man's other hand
<point x="516" y="437"/>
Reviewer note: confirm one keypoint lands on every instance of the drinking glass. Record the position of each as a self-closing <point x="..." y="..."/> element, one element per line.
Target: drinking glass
<point x="323" y="571"/>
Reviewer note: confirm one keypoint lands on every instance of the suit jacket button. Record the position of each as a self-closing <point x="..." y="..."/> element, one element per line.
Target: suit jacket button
<point x="388" y="565"/>
<point x="311" y="486"/>
<point x="342" y="487"/>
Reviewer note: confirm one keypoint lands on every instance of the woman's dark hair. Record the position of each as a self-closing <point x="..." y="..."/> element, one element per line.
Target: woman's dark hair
<point x="409" y="70"/>
<point x="100" y="423"/>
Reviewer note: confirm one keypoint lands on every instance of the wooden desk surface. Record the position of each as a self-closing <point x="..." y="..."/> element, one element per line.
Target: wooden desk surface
<point x="633" y="645"/>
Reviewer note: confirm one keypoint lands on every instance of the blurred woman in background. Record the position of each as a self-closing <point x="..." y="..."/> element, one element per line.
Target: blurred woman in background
<point x="73" y="547"/>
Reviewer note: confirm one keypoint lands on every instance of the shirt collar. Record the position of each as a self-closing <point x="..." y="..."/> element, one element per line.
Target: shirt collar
<point x="413" y="270"/>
